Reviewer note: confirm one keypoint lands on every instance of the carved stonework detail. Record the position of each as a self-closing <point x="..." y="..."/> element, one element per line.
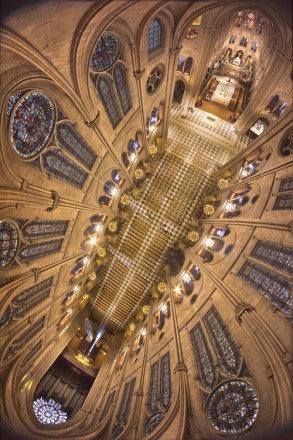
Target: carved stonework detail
<point x="56" y="199"/>
<point x="95" y="121"/>
<point x="139" y="392"/>
<point x="180" y="367"/>
<point x="269" y="372"/>
<point x="175" y="50"/>
<point x="36" y="273"/>
<point x="242" y="308"/>
<point x="24" y="185"/>
<point x="290" y="227"/>
<point x="138" y="73"/>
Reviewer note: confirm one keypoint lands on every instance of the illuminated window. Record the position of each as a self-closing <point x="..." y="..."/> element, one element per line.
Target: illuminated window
<point x="106" y="52"/>
<point x="49" y="412"/>
<point x="107" y="405"/>
<point x="38" y="229"/>
<point x="227" y="351"/>
<point x="276" y="255"/>
<point x="203" y="356"/>
<point x="165" y="382"/>
<point x="9" y="240"/>
<point x="32" y="251"/>
<point x="153" y="387"/>
<point x="233" y="407"/>
<point x="273" y="287"/>
<point x="153" y="422"/>
<point x="154" y="36"/>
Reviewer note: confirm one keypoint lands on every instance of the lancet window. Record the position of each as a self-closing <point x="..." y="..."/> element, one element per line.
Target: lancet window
<point x="109" y="75"/>
<point x="211" y="339"/>
<point x="154" y="36"/>
<point x="278" y="256"/>
<point x="270" y="285"/>
<point x="284" y="203"/>
<point x="226" y="349"/>
<point x="286" y="185"/>
<point x="21" y="342"/>
<point x="14" y="237"/>
<point x="107" y="405"/>
<point x="37" y="132"/>
<point x="159" y="393"/>
<point x="125" y="407"/>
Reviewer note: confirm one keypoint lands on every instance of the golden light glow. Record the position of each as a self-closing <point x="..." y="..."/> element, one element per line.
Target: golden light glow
<point x="223" y="183"/>
<point x="208" y="209"/>
<point x="193" y="236"/>
<point x="146" y="310"/>
<point x="153" y="149"/>
<point x="85" y="296"/>
<point x="92" y="276"/>
<point x="102" y="252"/>
<point x="93" y="240"/>
<point x="125" y="200"/>
<point x="132" y="326"/>
<point x="138" y="174"/>
<point x="113" y="225"/>
<point x="162" y="287"/>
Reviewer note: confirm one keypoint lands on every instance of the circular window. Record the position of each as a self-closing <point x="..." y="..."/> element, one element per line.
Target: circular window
<point x="233" y="407"/>
<point x="32" y="124"/>
<point x="229" y="249"/>
<point x="105" y="53"/>
<point x="254" y="198"/>
<point x="154" y="80"/>
<point x="286" y="144"/>
<point x="9" y="240"/>
<point x="49" y="412"/>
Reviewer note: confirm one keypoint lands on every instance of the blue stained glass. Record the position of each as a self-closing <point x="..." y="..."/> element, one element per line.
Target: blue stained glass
<point x="276" y="255"/>
<point x="227" y="351"/>
<point x="165" y="385"/>
<point x="71" y="141"/>
<point x="37" y="229"/>
<point x="153" y="387"/>
<point x="31" y="304"/>
<point x="105" y="53"/>
<point x="117" y="430"/>
<point x="122" y="87"/>
<point x="32" y="124"/>
<point x="273" y="287"/>
<point x="203" y="356"/>
<point x="154" y="36"/>
<point x="9" y="240"/>
<point x="32" y="251"/>
<point x="11" y="102"/>
<point x="129" y="400"/>
<point x="32" y="291"/>
<point x="105" y="89"/>
<point x="49" y="412"/>
<point x="153" y="422"/>
<point x="233" y="407"/>
<point x="58" y="165"/>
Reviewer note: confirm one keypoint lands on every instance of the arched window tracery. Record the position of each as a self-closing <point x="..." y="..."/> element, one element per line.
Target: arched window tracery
<point x="109" y="75"/>
<point x="227" y="351"/>
<point x="34" y="121"/>
<point x="203" y="357"/>
<point x="125" y="407"/>
<point x="154" y="36"/>
<point x="9" y="242"/>
<point x="38" y="229"/>
<point x="49" y="412"/>
<point x="32" y="251"/>
<point x="107" y="405"/>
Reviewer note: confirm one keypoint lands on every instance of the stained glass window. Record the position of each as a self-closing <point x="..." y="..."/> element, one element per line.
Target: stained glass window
<point x="122" y="87"/>
<point x="32" y="291"/>
<point x="165" y="382"/>
<point x="154" y="80"/>
<point x="7" y="316"/>
<point x="203" y="356"/>
<point x="49" y="412"/>
<point x="188" y="65"/>
<point x="286" y="144"/>
<point x="123" y="401"/>
<point x="58" y="165"/>
<point x="154" y="36"/>
<point x="9" y="240"/>
<point x="284" y="203"/>
<point x="11" y="102"/>
<point x="105" y="89"/>
<point x="32" y="251"/>
<point x="71" y="141"/>
<point x="37" y="229"/>
<point x="180" y="65"/>
<point x="286" y="185"/>
<point x="105" y="53"/>
<point x="276" y="255"/>
<point x="32" y="124"/>
<point x="153" y="422"/>
<point x="32" y="303"/>
<point x="107" y="405"/>
<point x="31" y="354"/>
<point x="273" y="287"/>
<point x="117" y="430"/>
<point x="233" y="407"/>
<point x="153" y="387"/>
<point x="227" y="351"/>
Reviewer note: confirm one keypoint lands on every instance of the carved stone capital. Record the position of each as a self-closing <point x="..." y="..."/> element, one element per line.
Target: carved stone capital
<point x="24" y="185"/>
<point x="180" y="367"/>
<point x="290" y="227"/>
<point x="94" y="122"/>
<point x="56" y="199"/>
<point x="242" y="308"/>
<point x="139" y="392"/>
<point x="138" y="73"/>
<point x="36" y="273"/>
<point x="175" y="50"/>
